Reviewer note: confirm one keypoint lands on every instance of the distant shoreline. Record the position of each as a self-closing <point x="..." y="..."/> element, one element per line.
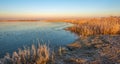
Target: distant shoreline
<point x="18" y="20"/>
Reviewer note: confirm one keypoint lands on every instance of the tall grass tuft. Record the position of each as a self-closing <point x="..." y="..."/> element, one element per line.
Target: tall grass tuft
<point x="43" y="54"/>
<point x="33" y="55"/>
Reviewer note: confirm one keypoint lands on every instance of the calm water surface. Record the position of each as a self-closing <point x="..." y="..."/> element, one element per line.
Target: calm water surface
<point x="14" y="35"/>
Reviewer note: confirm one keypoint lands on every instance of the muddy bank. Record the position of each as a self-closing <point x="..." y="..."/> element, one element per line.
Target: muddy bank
<point x="104" y="49"/>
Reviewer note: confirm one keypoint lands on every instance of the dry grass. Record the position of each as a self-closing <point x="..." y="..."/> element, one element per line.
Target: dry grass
<point x="102" y="49"/>
<point x="111" y="52"/>
<point x="108" y="49"/>
<point x="96" y="26"/>
<point x="31" y="55"/>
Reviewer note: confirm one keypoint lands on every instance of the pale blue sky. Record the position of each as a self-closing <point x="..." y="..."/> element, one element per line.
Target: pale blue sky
<point x="58" y="8"/>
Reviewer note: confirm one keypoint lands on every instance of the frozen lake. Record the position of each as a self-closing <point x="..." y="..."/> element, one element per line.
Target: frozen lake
<point x="14" y="35"/>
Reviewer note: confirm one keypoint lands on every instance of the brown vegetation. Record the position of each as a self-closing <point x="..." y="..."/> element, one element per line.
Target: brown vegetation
<point x="34" y="55"/>
<point x="97" y="50"/>
<point x="96" y="26"/>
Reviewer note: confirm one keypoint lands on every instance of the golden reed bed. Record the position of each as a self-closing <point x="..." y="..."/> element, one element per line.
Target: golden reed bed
<point x="96" y="26"/>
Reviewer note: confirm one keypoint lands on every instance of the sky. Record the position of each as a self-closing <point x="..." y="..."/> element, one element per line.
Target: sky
<point x="58" y="8"/>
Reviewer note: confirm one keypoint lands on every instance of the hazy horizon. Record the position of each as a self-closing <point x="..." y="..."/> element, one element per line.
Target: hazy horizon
<point x="30" y="9"/>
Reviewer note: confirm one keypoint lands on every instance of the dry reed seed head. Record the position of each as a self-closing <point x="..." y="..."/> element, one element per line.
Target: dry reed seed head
<point x="60" y="51"/>
<point x="43" y="53"/>
<point x="33" y="51"/>
<point x="15" y="55"/>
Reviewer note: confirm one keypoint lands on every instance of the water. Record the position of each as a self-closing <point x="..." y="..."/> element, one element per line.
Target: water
<point x="14" y="35"/>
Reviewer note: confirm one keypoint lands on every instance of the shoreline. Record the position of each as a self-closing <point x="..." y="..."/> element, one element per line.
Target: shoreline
<point x="94" y="46"/>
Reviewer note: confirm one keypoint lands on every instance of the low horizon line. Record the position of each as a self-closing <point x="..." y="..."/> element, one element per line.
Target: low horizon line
<point x="54" y="18"/>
